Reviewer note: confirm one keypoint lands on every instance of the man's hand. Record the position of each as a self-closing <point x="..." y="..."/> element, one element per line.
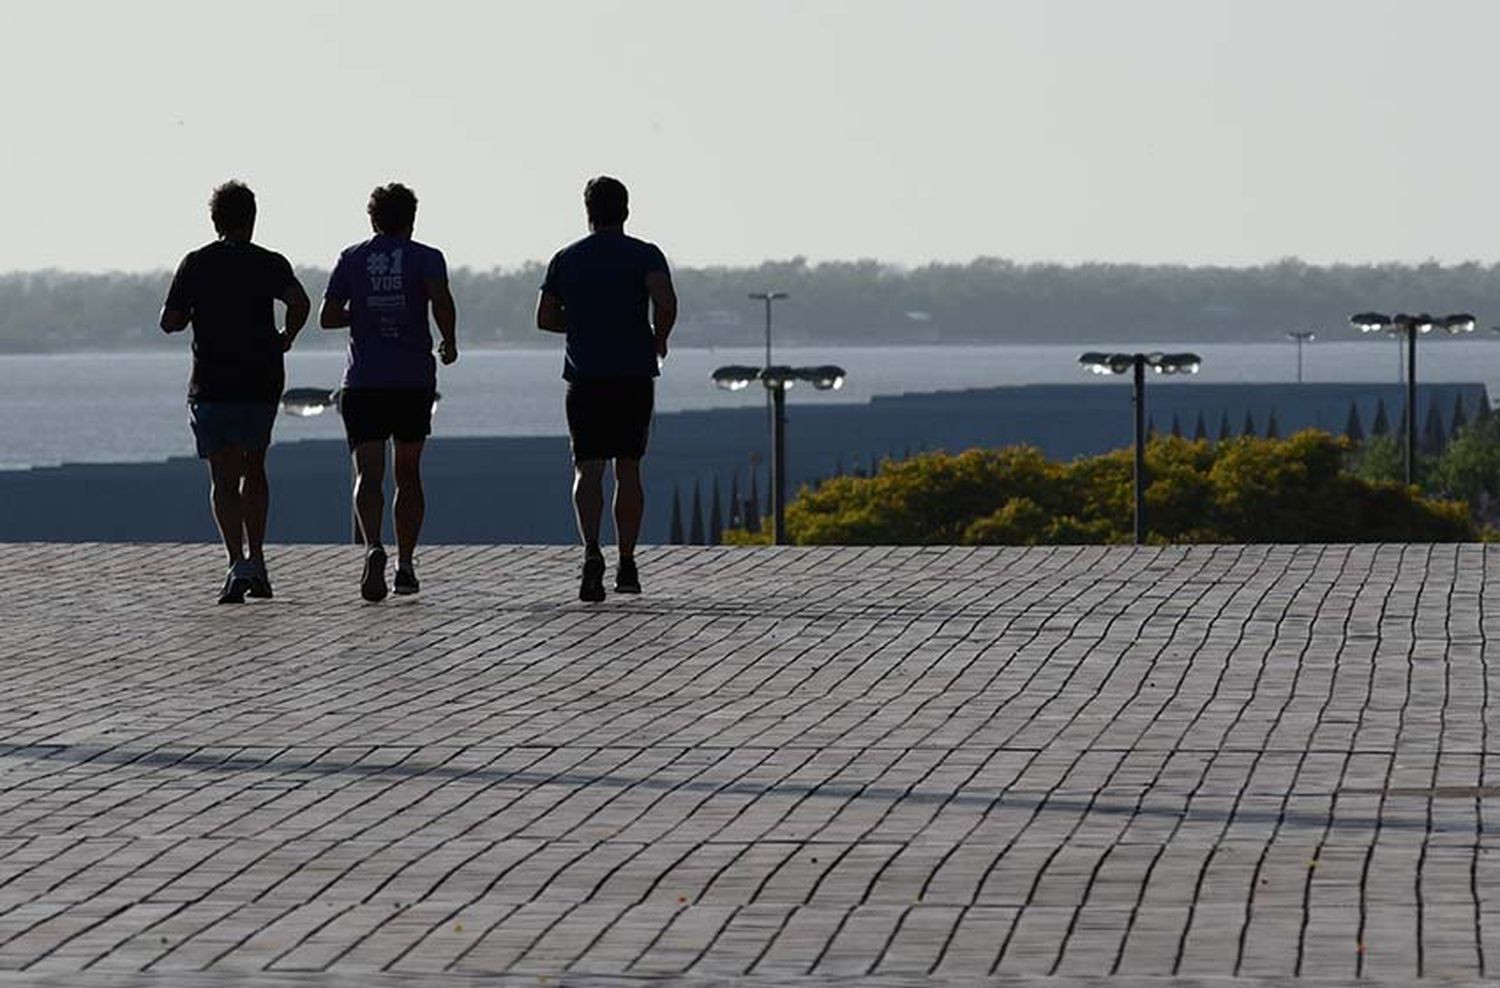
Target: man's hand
<point x="661" y="345"/>
<point x="286" y="339"/>
<point x="448" y="351"/>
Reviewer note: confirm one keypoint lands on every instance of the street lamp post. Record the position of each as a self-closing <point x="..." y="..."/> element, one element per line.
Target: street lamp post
<point x="1136" y="363"/>
<point x="769" y="297"/>
<point x="777" y="378"/>
<point x="1305" y="336"/>
<point x="1407" y="325"/>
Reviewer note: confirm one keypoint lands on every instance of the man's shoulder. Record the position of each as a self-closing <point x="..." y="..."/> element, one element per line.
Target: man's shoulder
<point x="198" y="254"/>
<point x="425" y="250"/>
<point x="355" y="249"/>
<point x="579" y="246"/>
<point x="648" y="253"/>
<point x="636" y="243"/>
<point x="268" y="257"/>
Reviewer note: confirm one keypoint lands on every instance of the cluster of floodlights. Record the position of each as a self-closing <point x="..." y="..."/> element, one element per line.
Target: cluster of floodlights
<point x="824" y="377"/>
<point x="1402" y="322"/>
<point x="1121" y="363"/>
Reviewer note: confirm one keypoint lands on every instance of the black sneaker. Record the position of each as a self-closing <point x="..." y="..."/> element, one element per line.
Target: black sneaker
<point x="236" y="585"/>
<point x="406" y="582"/>
<point x="372" y="583"/>
<point x="260" y="582"/>
<point x="591" y="586"/>
<point x="627" y="577"/>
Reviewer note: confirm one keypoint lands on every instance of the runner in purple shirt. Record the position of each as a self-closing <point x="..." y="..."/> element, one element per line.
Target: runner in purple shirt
<point x="382" y="289"/>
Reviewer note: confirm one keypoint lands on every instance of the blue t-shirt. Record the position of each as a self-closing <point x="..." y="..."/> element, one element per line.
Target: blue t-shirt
<point x="383" y="282"/>
<point x="601" y="281"/>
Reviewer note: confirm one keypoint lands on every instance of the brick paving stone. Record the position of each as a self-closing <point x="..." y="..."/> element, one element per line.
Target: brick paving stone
<point x="1154" y="767"/>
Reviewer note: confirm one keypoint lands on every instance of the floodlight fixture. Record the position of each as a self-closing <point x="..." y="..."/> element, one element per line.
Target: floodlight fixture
<point x="1371" y="322"/>
<point x="307" y="402"/>
<point x="736" y="377"/>
<point x="824" y="377"/>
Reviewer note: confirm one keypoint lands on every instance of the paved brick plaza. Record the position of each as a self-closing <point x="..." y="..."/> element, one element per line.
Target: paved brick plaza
<point x="821" y="765"/>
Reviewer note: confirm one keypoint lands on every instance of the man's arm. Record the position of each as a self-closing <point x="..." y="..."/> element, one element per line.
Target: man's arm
<point x="174" y="320"/>
<point x="298" y="308"/>
<point x="334" y="314"/>
<point x="445" y="314"/>
<point x="549" y="313"/>
<point x="663" y="308"/>
<point x="177" y="310"/>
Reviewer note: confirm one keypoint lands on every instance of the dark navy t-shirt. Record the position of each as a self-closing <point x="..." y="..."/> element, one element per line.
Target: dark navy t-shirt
<point x="229" y="290"/>
<point x="383" y="280"/>
<point x="601" y="281"/>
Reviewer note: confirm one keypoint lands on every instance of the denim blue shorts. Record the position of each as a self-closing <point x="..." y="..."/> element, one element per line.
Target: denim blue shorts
<point x="218" y="425"/>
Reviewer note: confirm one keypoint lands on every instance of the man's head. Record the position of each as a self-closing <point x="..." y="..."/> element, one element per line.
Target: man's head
<point x="232" y="208"/>
<point x="393" y="209"/>
<point x="607" y="202"/>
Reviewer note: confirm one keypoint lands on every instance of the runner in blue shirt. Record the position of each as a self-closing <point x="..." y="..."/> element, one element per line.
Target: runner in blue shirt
<point x="382" y="289"/>
<point x="612" y="295"/>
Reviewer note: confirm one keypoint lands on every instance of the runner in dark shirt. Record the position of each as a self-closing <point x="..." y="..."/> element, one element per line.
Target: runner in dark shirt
<point x="611" y="294"/>
<point x="227" y="292"/>
<point x="381" y="289"/>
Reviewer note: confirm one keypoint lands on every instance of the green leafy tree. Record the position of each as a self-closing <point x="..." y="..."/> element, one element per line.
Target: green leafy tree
<point x="1377" y="459"/>
<point x="1243" y="490"/>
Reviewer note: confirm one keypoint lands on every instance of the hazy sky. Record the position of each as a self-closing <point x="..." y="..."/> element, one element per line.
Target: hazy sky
<point x="1200" y="131"/>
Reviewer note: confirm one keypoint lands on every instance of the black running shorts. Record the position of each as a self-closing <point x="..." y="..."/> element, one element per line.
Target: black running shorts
<point x="610" y="419"/>
<point x="378" y="414"/>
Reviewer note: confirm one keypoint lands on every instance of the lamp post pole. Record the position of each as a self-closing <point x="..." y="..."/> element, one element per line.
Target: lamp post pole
<point x="1138" y="400"/>
<point x="778" y="464"/>
<point x="769" y="297"/>
<point x="1300" y="338"/>
<point x="1411" y="405"/>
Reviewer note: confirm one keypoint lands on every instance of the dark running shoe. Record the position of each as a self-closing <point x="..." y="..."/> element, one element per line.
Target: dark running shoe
<point x="627" y="577"/>
<point x="236" y="584"/>
<point x="372" y="582"/>
<point x="406" y="582"/>
<point x="591" y="586"/>
<point x="260" y="582"/>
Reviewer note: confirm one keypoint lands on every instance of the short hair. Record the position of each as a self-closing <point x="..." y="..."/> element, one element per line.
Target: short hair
<point x="393" y="208"/>
<point x="606" y="200"/>
<point x="232" y="206"/>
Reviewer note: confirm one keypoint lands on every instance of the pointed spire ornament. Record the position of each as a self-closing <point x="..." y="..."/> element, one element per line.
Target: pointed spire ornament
<point x="715" y="518"/>
<point x="695" y="529"/>
<point x="674" y="534"/>
<point x="1353" y="428"/>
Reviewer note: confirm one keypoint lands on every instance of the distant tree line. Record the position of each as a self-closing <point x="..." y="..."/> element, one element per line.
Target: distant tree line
<point x="854" y="302"/>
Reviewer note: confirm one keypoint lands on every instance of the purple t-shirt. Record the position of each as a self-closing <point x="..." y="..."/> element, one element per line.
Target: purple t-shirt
<point x="383" y="280"/>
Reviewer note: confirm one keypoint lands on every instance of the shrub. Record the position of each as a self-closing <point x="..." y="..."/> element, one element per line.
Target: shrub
<point x="1240" y="490"/>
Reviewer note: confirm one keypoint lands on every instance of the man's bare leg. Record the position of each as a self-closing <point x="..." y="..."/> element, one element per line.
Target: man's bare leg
<point x="411" y="504"/>
<point x="369" y="506"/>
<point x="588" y="505"/>
<point x="226" y="468"/>
<point x="255" y="499"/>
<point x="369" y="490"/>
<point x="630" y="505"/>
<point x="588" y="501"/>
